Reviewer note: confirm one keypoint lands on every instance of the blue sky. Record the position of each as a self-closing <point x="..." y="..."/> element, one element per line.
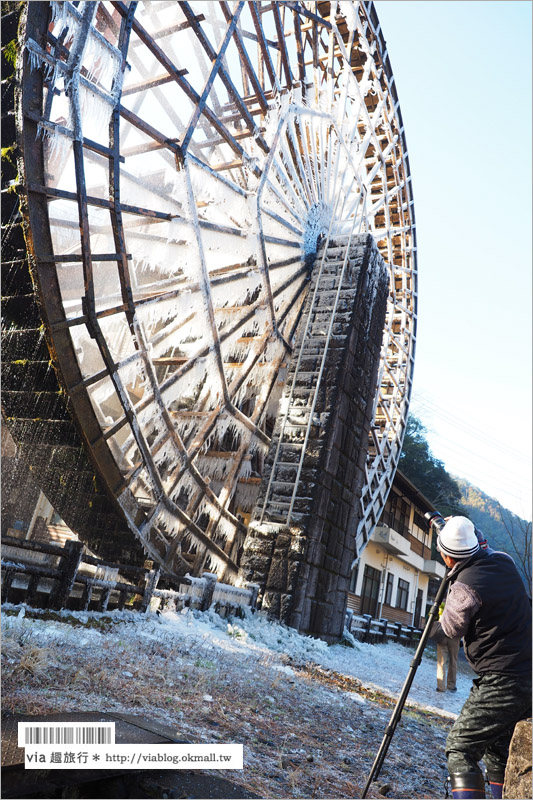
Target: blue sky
<point x="463" y="75"/>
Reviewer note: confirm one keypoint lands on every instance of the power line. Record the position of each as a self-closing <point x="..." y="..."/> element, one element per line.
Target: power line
<point x="455" y="447"/>
<point x="497" y="483"/>
<point x="488" y="442"/>
<point x="496" y="488"/>
<point x="445" y="444"/>
<point x="429" y="405"/>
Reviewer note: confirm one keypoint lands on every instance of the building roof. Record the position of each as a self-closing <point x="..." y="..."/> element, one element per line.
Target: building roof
<point x="410" y="491"/>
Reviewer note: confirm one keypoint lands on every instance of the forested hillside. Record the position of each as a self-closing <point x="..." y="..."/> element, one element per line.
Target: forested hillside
<point x="503" y="529"/>
<point x="453" y="495"/>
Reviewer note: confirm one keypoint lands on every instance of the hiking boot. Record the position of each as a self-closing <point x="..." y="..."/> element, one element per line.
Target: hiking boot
<point x="496" y="785"/>
<point x="467" y="785"/>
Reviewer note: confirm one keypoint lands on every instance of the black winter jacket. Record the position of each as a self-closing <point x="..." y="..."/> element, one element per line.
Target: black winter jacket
<point x="488" y="605"/>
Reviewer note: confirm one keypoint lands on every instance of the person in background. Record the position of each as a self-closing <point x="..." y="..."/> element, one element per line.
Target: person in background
<point x="487" y="605"/>
<point x="447" y="655"/>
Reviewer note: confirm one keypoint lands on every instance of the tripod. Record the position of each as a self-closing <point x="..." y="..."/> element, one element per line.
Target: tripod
<point x="397" y="713"/>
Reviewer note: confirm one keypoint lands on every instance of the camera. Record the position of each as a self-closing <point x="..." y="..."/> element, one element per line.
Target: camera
<point x="435" y="519"/>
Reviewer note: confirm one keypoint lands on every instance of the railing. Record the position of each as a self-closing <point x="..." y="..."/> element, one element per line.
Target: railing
<point x="368" y="629"/>
<point x="53" y="576"/>
<point x="204" y="593"/>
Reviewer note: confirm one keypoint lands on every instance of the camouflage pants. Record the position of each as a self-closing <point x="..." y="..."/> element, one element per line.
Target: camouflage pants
<point x="486" y="723"/>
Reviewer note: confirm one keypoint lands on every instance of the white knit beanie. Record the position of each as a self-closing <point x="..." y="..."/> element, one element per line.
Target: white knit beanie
<point x="458" y="539"/>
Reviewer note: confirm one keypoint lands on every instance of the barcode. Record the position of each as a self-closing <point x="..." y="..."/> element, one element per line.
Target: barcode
<point x="58" y="733"/>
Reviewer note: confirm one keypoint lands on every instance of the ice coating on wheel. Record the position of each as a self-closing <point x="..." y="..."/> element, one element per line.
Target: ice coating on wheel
<point x="194" y="155"/>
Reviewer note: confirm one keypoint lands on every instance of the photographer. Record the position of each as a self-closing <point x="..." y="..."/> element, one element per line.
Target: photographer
<point x="488" y="606"/>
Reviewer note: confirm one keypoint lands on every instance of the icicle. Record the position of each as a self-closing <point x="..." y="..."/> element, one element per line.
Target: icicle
<point x="57" y="147"/>
<point x="59" y="12"/>
<point x="234" y="349"/>
<point x="168" y="452"/>
<point x="225" y="528"/>
<point x="167" y="520"/>
<point x="73" y="24"/>
<point x="151" y="421"/>
<point x="184" y="427"/>
<point x="189" y="383"/>
<point x="175" y="255"/>
<point x="87" y="352"/>
<point x="227" y="423"/>
<point x="34" y="57"/>
<point x="214" y="468"/>
<point x="246" y="467"/>
<point x="142" y="486"/>
<point x="156" y="313"/>
<point x="64" y="16"/>
<point x="176" y="186"/>
<point x="242" y="291"/>
<point x="195" y="588"/>
<point x="246" y="495"/>
<point x="119" y="340"/>
<point x="180" y="231"/>
<point x="224" y="593"/>
<point x="203" y="508"/>
<point x="95" y="114"/>
<point x="101" y="62"/>
<point x="186" y="484"/>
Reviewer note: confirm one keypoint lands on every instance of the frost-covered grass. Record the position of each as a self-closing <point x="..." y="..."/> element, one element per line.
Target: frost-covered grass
<point x="311" y="716"/>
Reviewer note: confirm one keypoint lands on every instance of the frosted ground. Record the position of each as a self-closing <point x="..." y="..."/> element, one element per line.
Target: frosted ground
<point x="311" y="716"/>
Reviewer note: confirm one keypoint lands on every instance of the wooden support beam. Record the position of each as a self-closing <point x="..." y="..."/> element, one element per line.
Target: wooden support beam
<point x="149" y="147"/>
<point x="283" y="47"/>
<point x="255" y="12"/>
<point x="97" y="201"/>
<point x="180" y="26"/>
<point x="149" y="130"/>
<point x="77" y="257"/>
<point x="229" y="165"/>
<point x="145" y="86"/>
<point x="181" y="80"/>
<point x="54" y="127"/>
<point x="170" y="361"/>
<point x="245" y="61"/>
<point x="219" y="141"/>
<point x="219" y="70"/>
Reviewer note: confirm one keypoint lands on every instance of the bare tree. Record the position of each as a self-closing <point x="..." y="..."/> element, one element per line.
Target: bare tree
<point x="519" y="532"/>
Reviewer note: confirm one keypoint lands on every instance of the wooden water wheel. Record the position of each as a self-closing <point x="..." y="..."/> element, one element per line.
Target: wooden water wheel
<point x="182" y="161"/>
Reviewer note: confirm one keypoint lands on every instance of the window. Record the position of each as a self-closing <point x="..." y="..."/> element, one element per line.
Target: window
<point x="402" y="595"/>
<point x="401" y="517"/>
<point x="370" y="590"/>
<point x="388" y="590"/>
<point x="387" y="518"/>
<point x="396" y="514"/>
<point x="421" y="523"/>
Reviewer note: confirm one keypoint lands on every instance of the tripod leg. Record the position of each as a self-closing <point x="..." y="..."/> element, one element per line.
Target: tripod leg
<point x="396" y="714"/>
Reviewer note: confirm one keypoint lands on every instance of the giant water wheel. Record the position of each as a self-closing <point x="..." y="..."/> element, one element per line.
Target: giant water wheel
<point x="182" y="161"/>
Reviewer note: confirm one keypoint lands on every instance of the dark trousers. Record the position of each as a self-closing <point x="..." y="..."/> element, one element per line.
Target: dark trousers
<point x="486" y="723"/>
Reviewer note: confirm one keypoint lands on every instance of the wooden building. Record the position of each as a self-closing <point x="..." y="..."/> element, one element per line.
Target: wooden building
<point x="395" y="576"/>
